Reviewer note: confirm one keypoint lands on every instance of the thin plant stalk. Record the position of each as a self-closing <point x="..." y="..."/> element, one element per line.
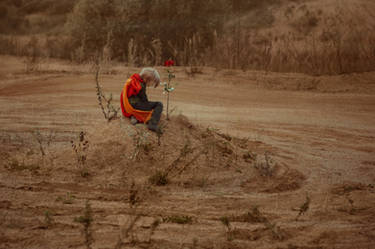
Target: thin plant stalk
<point x="168" y="87"/>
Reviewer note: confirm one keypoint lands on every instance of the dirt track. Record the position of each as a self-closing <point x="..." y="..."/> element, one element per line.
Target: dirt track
<point x="325" y="133"/>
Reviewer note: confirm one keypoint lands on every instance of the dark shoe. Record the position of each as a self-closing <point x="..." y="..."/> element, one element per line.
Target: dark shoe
<point x="152" y="126"/>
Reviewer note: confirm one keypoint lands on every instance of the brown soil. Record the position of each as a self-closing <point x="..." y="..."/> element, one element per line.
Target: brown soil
<point x="246" y="141"/>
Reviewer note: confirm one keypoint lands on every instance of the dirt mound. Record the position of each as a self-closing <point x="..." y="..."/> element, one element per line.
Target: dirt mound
<point x="184" y="155"/>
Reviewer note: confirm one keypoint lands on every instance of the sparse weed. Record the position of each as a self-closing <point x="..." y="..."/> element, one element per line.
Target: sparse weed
<point x="201" y="181"/>
<point x="277" y="233"/>
<point x="179" y="219"/>
<point x="304" y="207"/>
<point x="44" y="141"/>
<point x="226" y="222"/>
<point x="134" y="197"/>
<point x="243" y="142"/>
<point x="86" y="219"/>
<point x="48" y="219"/>
<point x="159" y="178"/>
<point x="351" y="202"/>
<point x="265" y="168"/>
<point x="225" y="136"/>
<point x="127" y="233"/>
<point x="141" y="143"/>
<point x="68" y="199"/>
<point x="80" y="148"/>
<point x="155" y="224"/>
<point x="184" y="152"/>
<point x="351" y="210"/>
<point x="249" y="157"/>
<point x="162" y="127"/>
<point x="210" y="130"/>
<point x="254" y="216"/>
<point x="84" y="172"/>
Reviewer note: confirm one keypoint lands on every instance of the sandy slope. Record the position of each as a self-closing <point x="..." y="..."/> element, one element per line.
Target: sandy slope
<point x="319" y="130"/>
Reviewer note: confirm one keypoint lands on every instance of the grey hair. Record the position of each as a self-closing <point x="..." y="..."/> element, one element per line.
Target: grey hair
<point x="150" y="73"/>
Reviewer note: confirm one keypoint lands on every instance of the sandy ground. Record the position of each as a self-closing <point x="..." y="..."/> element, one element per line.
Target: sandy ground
<point x="321" y="127"/>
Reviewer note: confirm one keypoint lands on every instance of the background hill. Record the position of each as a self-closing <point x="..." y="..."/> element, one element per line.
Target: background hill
<point x="309" y="36"/>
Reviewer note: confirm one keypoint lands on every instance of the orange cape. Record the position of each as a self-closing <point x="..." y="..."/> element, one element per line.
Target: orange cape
<point x="132" y="87"/>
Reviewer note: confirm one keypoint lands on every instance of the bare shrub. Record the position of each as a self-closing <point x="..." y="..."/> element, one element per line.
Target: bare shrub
<point x="266" y="166"/>
<point x="43" y="140"/>
<point x="105" y="102"/>
<point x="80" y="148"/>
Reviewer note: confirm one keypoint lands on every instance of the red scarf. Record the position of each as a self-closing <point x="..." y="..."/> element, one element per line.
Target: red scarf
<point x="135" y="85"/>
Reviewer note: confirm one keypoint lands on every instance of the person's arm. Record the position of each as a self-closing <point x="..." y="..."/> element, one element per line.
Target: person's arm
<point x="142" y="93"/>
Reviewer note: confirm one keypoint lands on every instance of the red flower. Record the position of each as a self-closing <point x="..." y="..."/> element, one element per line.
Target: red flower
<point x="169" y="63"/>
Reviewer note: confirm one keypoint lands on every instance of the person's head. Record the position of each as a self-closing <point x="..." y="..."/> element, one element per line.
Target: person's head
<point x="150" y="76"/>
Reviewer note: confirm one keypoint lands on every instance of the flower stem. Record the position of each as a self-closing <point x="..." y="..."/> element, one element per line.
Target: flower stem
<point x="168" y="106"/>
<point x="169" y="81"/>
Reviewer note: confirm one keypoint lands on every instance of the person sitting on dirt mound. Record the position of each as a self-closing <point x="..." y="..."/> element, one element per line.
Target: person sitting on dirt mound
<point x="134" y="101"/>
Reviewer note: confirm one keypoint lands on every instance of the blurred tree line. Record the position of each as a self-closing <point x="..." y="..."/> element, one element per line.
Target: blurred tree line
<point x="152" y="30"/>
<point x="220" y="33"/>
<point x="135" y="31"/>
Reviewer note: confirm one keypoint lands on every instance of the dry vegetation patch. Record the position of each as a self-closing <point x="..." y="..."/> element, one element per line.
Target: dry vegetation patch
<point x="132" y="167"/>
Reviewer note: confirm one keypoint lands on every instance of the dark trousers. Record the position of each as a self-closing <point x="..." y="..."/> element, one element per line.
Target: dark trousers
<point x="149" y="106"/>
